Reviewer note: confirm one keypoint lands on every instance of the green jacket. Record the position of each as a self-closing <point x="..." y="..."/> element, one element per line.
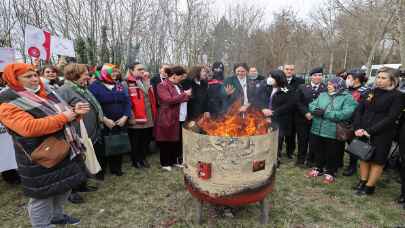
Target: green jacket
<point x="339" y="107"/>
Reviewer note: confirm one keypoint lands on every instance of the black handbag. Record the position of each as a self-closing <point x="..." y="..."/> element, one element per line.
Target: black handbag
<point x="361" y="149"/>
<point x="116" y="144"/>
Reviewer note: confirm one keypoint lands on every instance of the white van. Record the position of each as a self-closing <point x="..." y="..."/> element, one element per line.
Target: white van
<point x="374" y="69"/>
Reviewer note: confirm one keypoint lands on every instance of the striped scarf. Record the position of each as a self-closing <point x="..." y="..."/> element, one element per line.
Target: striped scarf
<point x="52" y="105"/>
<point x="84" y="92"/>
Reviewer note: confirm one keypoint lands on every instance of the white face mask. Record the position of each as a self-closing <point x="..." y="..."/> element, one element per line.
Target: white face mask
<point x="253" y="77"/>
<point x="271" y="81"/>
<point x="349" y="83"/>
<point x="36" y="90"/>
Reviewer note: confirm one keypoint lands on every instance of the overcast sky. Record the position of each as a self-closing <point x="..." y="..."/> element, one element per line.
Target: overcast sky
<point x="301" y="7"/>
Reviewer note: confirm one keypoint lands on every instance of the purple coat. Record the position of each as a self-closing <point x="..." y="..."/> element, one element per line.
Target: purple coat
<point x="167" y="127"/>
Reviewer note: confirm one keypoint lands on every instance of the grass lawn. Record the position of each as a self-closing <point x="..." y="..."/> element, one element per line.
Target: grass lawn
<point x="153" y="198"/>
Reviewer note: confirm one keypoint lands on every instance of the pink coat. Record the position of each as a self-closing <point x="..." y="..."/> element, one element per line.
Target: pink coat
<point x="167" y="127"/>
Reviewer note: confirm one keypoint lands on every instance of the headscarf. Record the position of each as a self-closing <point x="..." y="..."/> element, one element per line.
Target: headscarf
<point x="12" y="71"/>
<point x="338" y="83"/>
<point x="106" y="72"/>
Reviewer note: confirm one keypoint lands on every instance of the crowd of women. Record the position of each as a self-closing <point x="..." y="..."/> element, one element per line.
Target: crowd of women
<point x="40" y="111"/>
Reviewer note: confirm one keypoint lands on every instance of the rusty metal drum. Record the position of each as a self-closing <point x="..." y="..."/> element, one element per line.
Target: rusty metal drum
<point x="229" y="170"/>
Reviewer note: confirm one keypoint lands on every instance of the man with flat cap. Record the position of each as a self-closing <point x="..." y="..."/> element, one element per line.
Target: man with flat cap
<point x="305" y="94"/>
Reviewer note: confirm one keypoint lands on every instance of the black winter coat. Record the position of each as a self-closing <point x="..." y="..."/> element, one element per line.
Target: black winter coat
<point x="37" y="181"/>
<point x="295" y="83"/>
<point x="282" y="105"/>
<point x="198" y="102"/>
<point x="305" y="95"/>
<point x="216" y="98"/>
<point x="377" y="115"/>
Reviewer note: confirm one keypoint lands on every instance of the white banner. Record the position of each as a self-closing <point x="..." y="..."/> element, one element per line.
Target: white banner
<point x="7" y="55"/>
<point x="62" y="47"/>
<point x="7" y="154"/>
<point x="37" y="43"/>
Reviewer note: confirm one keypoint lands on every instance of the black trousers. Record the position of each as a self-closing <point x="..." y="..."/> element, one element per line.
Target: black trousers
<point x="169" y="152"/>
<point x="140" y="140"/>
<point x="113" y="162"/>
<point x="289" y="140"/>
<point x="341" y="154"/>
<point x="303" y="132"/>
<point x="402" y="153"/>
<point x="289" y="146"/>
<point x="326" y="153"/>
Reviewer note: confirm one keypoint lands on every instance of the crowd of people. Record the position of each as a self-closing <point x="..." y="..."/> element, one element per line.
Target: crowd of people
<point x="37" y="104"/>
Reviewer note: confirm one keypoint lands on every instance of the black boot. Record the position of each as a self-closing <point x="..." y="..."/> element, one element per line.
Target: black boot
<point x="352" y="168"/>
<point x="367" y="190"/>
<point x="360" y="185"/>
<point x="145" y="164"/>
<point x="350" y="171"/>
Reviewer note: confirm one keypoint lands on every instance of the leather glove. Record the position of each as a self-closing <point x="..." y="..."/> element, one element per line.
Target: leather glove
<point x="318" y="112"/>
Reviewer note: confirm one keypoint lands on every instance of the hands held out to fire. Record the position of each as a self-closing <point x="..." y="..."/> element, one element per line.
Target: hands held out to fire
<point x="229" y="89"/>
<point x="267" y="112"/>
<point x="188" y="92"/>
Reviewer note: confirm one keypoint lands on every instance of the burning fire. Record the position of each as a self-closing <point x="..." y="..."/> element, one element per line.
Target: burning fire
<point x="235" y="124"/>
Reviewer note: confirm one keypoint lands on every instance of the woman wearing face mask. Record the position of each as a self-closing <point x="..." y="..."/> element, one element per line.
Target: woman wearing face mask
<point x="375" y="119"/>
<point x="197" y="81"/>
<point x="33" y="113"/>
<point x="114" y="101"/>
<point x="280" y="103"/>
<point x="330" y="107"/>
<point x="355" y="80"/>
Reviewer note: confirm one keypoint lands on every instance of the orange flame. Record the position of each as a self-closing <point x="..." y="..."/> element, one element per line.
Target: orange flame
<point x="235" y="124"/>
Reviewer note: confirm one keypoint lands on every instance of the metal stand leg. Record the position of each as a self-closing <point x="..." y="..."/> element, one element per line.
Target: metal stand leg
<point x="264" y="209"/>
<point x="199" y="211"/>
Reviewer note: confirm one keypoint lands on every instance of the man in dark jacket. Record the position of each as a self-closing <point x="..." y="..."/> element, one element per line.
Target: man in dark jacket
<point x="293" y="84"/>
<point x="154" y="81"/>
<point x="305" y="94"/>
<point x="254" y="75"/>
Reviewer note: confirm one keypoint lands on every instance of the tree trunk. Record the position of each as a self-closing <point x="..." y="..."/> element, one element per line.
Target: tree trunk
<point x="346" y="54"/>
<point x="401" y="28"/>
<point x="371" y="57"/>
<point x="331" y="61"/>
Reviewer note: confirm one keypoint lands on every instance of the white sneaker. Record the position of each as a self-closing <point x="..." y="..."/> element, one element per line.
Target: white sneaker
<point x="167" y="168"/>
<point x="179" y="166"/>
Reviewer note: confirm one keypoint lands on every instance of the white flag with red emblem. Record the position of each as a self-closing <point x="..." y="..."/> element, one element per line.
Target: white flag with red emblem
<point x="37" y="43"/>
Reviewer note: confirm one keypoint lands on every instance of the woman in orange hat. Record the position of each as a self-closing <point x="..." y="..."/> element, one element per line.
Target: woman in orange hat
<point x="32" y="114"/>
